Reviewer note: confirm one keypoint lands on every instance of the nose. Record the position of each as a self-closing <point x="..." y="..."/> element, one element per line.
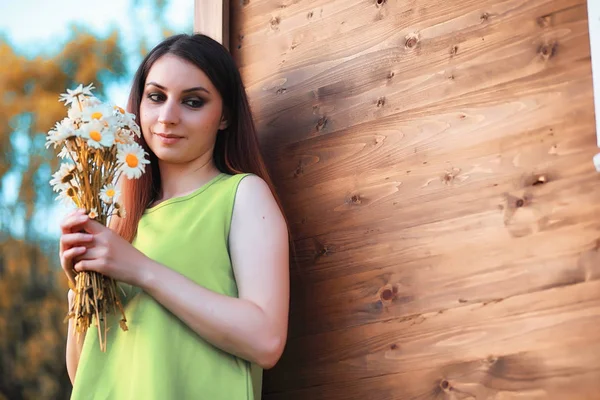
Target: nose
<point x="169" y="113"/>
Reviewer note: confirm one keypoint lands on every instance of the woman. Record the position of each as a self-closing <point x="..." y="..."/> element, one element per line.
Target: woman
<point x="203" y="249"/>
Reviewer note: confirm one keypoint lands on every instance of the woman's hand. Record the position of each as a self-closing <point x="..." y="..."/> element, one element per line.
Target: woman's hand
<point x="73" y="243"/>
<point x="110" y="255"/>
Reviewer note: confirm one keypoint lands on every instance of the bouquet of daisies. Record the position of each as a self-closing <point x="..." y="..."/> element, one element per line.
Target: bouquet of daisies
<point x="97" y="145"/>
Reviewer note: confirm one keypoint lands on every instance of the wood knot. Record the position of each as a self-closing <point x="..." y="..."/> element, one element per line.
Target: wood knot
<point x="491" y="360"/>
<point x="544" y="21"/>
<point x="299" y="169"/>
<point x="381" y="102"/>
<point x="547" y="51"/>
<point x="388" y="293"/>
<point x="391" y="75"/>
<point x="454" y="50"/>
<point x="355" y="199"/>
<point x="380" y="3"/>
<point x="322" y="250"/>
<point x="445" y="385"/>
<point x="411" y="42"/>
<point x="281" y="91"/>
<point x="519" y="203"/>
<point x="275" y="23"/>
<point x="309" y="15"/>
<point x="321" y="123"/>
<point x="394" y="346"/>
<point x="484" y="17"/>
<point x="450" y="175"/>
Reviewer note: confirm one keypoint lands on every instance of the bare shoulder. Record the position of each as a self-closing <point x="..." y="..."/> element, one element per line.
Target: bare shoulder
<point x="252" y="188"/>
<point x="254" y="202"/>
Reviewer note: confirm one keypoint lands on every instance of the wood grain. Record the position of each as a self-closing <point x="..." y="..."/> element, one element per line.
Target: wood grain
<point x="541" y="323"/>
<point x="434" y="160"/>
<point x="211" y="17"/>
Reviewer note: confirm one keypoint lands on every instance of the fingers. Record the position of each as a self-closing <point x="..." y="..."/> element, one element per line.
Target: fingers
<point x="89" y="265"/>
<point x="93" y="227"/>
<point x="72" y="244"/>
<point x="69" y="240"/>
<point x="72" y="221"/>
<point x="67" y="261"/>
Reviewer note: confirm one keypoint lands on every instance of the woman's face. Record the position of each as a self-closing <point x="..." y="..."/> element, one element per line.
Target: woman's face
<point x="181" y="111"/>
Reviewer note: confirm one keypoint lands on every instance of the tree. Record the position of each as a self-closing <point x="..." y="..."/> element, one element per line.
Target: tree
<point x="29" y="107"/>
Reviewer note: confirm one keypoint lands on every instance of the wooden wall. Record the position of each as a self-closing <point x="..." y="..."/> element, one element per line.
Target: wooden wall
<point x="435" y="161"/>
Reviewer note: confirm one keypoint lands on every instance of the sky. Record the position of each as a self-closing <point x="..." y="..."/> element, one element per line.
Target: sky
<point x="35" y="26"/>
<point x="40" y="26"/>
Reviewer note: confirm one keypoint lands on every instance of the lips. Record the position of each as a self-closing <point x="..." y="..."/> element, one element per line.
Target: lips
<point x="168" y="135"/>
<point x="168" y="139"/>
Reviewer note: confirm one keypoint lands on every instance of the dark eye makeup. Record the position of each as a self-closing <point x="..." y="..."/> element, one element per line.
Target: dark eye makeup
<point x="192" y="102"/>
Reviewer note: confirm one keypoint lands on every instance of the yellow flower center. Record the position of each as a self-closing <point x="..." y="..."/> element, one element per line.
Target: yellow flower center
<point x="120" y="109"/>
<point x="131" y="160"/>
<point x="96" y="136"/>
<point x="97" y="115"/>
<point x="110" y="192"/>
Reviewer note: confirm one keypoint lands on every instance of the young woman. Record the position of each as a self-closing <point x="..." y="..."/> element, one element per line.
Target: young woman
<point x="203" y="250"/>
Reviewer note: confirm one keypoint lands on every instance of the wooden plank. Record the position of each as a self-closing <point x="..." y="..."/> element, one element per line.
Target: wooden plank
<point x="554" y="373"/>
<point x="361" y="178"/>
<point x="545" y="324"/>
<point x="343" y="97"/>
<point x="211" y="17"/>
<point x="395" y="282"/>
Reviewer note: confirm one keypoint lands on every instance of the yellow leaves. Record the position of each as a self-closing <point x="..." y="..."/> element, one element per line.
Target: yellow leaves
<point x="32" y="338"/>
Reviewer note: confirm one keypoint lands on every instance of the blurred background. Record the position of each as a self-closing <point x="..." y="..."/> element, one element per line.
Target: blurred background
<point x="46" y="47"/>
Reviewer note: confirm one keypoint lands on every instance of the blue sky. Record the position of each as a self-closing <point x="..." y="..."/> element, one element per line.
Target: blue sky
<point x="35" y="26"/>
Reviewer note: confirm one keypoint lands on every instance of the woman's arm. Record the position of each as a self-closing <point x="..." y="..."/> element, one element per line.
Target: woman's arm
<point x="253" y="326"/>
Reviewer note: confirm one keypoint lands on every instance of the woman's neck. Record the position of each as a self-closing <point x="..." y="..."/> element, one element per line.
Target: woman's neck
<point x="181" y="179"/>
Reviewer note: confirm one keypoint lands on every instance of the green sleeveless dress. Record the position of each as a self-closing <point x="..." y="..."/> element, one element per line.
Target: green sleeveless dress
<point x="159" y="357"/>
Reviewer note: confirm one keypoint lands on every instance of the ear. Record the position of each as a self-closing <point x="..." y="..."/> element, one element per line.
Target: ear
<point x="224" y="123"/>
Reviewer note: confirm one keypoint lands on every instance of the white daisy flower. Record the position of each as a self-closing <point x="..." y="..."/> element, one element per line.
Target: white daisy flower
<point x="123" y="114"/>
<point x="90" y="102"/>
<point x="99" y="112"/>
<point x="61" y="179"/>
<point x="74" y="112"/>
<point x="64" y="153"/>
<point x="62" y="131"/>
<point x="97" y="135"/>
<point x="109" y="194"/>
<point x="72" y="95"/>
<point x="93" y="213"/>
<point x="64" y="198"/>
<point x="131" y="158"/>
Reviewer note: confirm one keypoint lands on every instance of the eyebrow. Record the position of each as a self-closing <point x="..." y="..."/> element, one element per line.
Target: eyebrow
<point x="193" y="89"/>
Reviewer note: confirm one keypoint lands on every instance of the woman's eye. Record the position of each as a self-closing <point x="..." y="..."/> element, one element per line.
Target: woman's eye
<point x="155" y="97"/>
<point x="194" y="103"/>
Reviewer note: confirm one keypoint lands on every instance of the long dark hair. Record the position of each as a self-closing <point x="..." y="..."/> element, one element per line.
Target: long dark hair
<point x="236" y="148"/>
